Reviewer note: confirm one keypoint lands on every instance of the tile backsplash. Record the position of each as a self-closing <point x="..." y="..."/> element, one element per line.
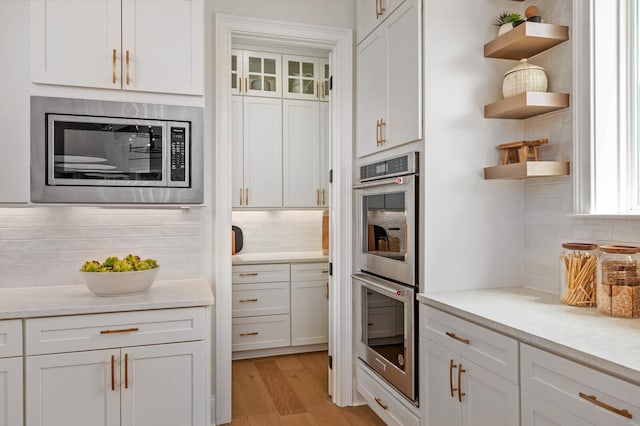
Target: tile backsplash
<point x="45" y="246"/>
<point x="280" y="230"/>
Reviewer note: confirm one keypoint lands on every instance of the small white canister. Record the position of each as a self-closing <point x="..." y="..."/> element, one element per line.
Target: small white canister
<point x="524" y="77"/>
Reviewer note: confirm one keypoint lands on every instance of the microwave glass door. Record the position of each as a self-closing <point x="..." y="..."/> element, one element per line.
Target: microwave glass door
<point x="385" y="222"/>
<point x="105" y="151"/>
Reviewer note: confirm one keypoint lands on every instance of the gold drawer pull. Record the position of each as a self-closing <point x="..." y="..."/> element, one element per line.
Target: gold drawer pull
<point x="248" y="300"/>
<point x="326" y="271"/>
<point x="114" y="66"/>
<point x="452" y="365"/>
<point x="126" y="371"/>
<point x="255" y="333"/>
<point x="122" y="330"/>
<point x="460" y="393"/>
<point x="252" y="274"/>
<point x="113" y="372"/>
<point x="592" y="399"/>
<point x="379" y="401"/>
<point x="458" y="338"/>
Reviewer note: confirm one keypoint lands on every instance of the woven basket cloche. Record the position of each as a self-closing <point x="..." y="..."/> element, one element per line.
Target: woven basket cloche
<point x="524" y="77"/>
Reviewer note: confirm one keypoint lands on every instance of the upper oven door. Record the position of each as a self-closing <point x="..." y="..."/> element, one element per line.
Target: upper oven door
<point x="105" y="151"/>
<point x="387" y="237"/>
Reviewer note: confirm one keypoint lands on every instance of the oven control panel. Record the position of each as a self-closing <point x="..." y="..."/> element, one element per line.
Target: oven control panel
<point x="397" y="166"/>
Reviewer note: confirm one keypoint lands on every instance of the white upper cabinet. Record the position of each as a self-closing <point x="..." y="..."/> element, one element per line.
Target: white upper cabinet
<point x="256" y="73"/>
<point x="373" y="12"/>
<point x="138" y="45"/>
<point x="305" y="77"/>
<point x="389" y="89"/>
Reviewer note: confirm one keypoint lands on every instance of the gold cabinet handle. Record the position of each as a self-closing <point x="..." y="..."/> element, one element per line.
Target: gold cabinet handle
<point x="326" y="271"/>
<point x="378" y="133"/>
<point x="317" y="197"/>
<point x="246" y="196"/>
<point x="382" y="124"/>
<point x="382" y="10"/>
<point x="322" y="89"/>
<point x="248" y="300"/>
<point x="127" y="62"/>
<point x="122" y="330"/>
<point x="379" y="401"/>
<point x="241" y="193"/>
<point x="592" y="399"/>
<point x="377" y="9"/>
<point x="254" y="333"/>
<point x="458" y="338"/>
<point x="324" y="200"/>
<point x="126" y="371"/>
<point x="249" y="274"/>
<point x="239" y="86"/>
<point x="113" y="372"/>
<point x="246" y="85"/>
<point x="114" y="76"/>
<point x="452" y="365"/>
<point x="460" y="393"/>
<point x="327" y="290"/>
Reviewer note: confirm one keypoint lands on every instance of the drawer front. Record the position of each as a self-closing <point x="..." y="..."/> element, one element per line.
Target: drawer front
<point x="250" y="300"/>
<point x="386" y="405"/>
<point x="250" y="333"/>
<point x="580" y="390"/>
<point x="493" y="351"/>
<point x="112" y="330"/>
<point x="10" y="338"/>
<point x="310" y="272"/>
<point x="246" y="274"/>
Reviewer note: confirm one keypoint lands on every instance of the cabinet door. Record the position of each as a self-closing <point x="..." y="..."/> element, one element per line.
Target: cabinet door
<point x="371" y="13"/>
<point x="487" y="398"/>
<point x="301" y="145"/>
<point x="262" y="152"/>
<point x="11" y="391"/>
<point x="325" y="76"/>
<point x="440" y="405"/>
<point x="236" y="72"/>
<point x="163" y="46"/>
<point x="538" y="412"/>
<point x="371" y="91"/>
<point x="262" y="74"/>
<point x="76" y="42"/>
<point x="325" y="152"/>
<point x="164" y="385"/>
<point x="73" y="389"/>
<point x="301" y="77"/>
<point x="309" y="312"/>
<point x="237" y="151"/>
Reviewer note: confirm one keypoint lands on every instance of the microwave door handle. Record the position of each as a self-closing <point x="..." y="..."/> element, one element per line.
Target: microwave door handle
<point x="405" y="180"/>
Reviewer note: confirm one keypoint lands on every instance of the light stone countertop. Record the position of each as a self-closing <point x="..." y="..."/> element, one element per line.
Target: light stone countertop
<point x="33" y="302"/>
<point x="611" y="345"/>
<point x="279" y="257"/>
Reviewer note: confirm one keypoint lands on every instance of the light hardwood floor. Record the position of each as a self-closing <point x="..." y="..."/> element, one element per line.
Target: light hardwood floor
<point x="289" y="390"/>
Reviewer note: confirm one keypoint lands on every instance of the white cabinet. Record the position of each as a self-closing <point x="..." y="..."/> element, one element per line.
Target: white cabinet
<point x="305" y="77"/>
<point x="256" y="73"/>
<point x="389" y="88"/>
<point x="371" y="13"/>
<point x="80" y="370"/>
<point x="11" y="373"/>
<point x="309" y="304"/>
<point x="256" y="129"/>
<point x="139" y="45"/>
<point x="470" y="373"/>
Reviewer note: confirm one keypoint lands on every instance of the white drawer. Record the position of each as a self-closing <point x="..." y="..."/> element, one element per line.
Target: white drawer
<point x="250" y="300"/>
<point x="578" y="389"/>
<point x="102" y="331"/>
<point x="10" y="338"/>
<point x="310" y="271"/>
<point x="260" y="332"/>
<point x="245" y="274"/>
<point x="493" y="351"/>
<point x="382" y="401"/>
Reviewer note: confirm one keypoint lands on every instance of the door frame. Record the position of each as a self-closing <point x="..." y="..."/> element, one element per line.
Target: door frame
<point x="340" y="42"/>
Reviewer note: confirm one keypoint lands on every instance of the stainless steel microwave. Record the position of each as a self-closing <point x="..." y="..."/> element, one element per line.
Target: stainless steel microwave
<point x="88" y="151"/>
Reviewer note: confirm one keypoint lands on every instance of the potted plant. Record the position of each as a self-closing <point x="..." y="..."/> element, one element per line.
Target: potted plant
<point x="507" y="20"/>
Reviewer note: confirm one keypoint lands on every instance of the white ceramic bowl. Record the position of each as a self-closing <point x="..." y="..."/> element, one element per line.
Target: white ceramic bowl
<point x="119" y="283"/>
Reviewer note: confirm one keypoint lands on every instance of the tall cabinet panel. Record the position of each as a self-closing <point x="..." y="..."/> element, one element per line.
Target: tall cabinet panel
<point x="237" y="151"/>
<point x="325" y="152"/>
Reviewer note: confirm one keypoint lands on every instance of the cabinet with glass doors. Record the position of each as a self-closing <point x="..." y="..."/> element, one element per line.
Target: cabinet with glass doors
<point x="256" y="73"/>
<point x="305" y="77"/>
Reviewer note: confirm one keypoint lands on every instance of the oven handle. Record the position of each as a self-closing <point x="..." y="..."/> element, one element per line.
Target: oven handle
<point x="388" y="290"/>
<point x="398" y="180"/>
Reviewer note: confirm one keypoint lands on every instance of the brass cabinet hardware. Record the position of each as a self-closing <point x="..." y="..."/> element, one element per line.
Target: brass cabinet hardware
<point x="327" y="290"/>
<point x="246" y="85"/>
<point x="452" y="365"/>
<point x="369" y="324"/>
<point x="460" y="371"/>
<point x="379" y="9"/>
<point x="114" y="67"/>
<point x="326" y="271"/>
<point x="317" y="197"/>
<point x="255" y="333"/>
<point x="239" y="84"/>
<point x="322" y="86"/>
<point x="113" y="372"/>
<point x="317" y="90"/>
<point x="249" y="274"/>
<point x="246" y="196"/>
<point x="126" y="371"/>
<point x="378" y="133"/>
<point x="458" y="338"/>
<point x="241" y="196"/>
<point x="248" y="300"/>
<point x="382" y="124"/>
<point x="127" y="62"/>
<point x="122" y="330"/>
<point x="379" y="401"/>
<point x="324" y="199"/>
<point x="592" y="399"/>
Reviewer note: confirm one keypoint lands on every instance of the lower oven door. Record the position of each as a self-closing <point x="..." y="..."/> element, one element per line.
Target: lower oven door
<point x="386" y="339"/>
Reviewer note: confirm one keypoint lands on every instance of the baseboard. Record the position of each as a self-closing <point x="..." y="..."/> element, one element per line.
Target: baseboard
<point x="286" y="350"/>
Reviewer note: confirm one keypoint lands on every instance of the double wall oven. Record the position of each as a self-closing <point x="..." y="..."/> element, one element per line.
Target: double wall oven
<point x="386" y="286"/>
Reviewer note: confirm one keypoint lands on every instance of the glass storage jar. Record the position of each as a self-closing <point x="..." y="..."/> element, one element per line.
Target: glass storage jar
<point x="578" y="280"/>
<point x="618" y="281"/>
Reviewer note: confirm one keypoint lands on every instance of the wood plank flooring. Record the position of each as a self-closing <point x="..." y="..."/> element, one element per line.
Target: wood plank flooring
<point x="289" y="390"/>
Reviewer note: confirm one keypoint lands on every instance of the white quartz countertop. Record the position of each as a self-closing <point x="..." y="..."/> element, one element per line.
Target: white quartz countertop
<point x="279" y="257"/>
<point x="77" y="299"/>
<point x="609" y="344"/>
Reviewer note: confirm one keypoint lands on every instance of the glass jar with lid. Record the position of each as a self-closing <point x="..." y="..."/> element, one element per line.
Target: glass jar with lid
<point x="619" y="281"/>
<point x="578" y="280"/>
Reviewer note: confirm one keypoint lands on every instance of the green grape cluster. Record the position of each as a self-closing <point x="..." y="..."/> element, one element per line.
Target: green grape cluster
<point x="113" y="264"/>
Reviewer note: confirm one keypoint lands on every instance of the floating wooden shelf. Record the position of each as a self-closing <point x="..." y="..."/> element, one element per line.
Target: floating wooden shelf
<point x="528" y="169"/>
<point x="526" y="40"/>
<point x="525" y="105"/>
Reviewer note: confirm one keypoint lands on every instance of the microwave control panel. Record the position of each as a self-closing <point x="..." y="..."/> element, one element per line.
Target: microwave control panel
<point x="178" y="154"/>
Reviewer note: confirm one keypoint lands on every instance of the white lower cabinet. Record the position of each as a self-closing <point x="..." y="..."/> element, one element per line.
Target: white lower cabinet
<point x="309" y="304"/>
<point x="11" y="373"/>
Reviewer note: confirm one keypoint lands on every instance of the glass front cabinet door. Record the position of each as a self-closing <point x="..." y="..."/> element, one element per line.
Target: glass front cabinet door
<point x="255" y="73"/>
<point x="305" y="77"/>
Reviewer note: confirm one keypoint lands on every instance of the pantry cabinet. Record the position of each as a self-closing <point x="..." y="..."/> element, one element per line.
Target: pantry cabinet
<point x="389" y="89"/>
<point x="256" y="73"/>
<point x="137" y="45"/>
<point x="370" y="13"/>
